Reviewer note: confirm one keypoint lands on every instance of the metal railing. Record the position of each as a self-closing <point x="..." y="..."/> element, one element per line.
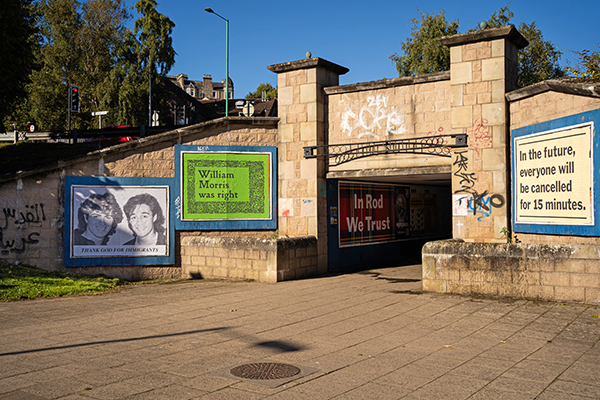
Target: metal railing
<point x="438" y="145"/>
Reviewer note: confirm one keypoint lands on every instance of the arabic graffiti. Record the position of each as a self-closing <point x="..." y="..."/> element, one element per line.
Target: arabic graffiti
<point x="370" y="117"/>
<point x="32" y="217"/>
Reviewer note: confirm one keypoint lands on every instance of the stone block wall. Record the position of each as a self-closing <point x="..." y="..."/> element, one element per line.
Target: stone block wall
<point x="483" y="67"/>
<point x="530" y="271"/>
<point x="32" y="202"/>
<point x="390" y="109"/>
<point x="302" y="112"/>
<point x="259" y="259"/>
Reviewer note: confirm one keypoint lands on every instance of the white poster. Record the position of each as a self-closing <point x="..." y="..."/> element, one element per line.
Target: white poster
<point x="553" y="177"/>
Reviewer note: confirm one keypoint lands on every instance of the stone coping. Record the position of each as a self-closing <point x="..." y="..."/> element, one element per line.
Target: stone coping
<point x="578" y="87"/>
<point x="379" y="172"/>
<point x="512" y="250"/>
<point x="178" y="133"/>
<point x="509" y="32"/>
<point x="308" y="63"/>
<point x="388" y="83"/>
<point x="266" y="244"/>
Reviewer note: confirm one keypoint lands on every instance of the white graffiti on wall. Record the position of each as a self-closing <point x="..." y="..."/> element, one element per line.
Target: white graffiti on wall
<point x="371" y="118"/>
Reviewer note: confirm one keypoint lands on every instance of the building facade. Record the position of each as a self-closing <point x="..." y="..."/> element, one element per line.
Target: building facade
<point x="493" y="188"/>
<point x="205" y="89"/>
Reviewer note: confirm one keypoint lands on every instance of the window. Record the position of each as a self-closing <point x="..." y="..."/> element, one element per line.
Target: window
<point x="215" y="95"/>
<point x="190" y="91"/>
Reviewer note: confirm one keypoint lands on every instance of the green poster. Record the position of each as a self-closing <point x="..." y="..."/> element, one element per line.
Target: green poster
<point x="226" y="185"/>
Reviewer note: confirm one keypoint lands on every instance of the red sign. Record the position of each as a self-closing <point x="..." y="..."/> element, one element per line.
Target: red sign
<point x="372" y="213"/>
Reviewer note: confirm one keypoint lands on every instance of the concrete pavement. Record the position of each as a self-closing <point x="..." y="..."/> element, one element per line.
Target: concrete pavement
<point x="368" y="335"/>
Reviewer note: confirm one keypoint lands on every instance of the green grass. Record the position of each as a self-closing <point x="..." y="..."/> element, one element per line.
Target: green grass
<point x="23" y="282"/>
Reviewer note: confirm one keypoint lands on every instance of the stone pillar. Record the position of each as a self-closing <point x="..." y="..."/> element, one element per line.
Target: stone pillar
<point x="301" y="106"/>
<point x="483" y="68"/>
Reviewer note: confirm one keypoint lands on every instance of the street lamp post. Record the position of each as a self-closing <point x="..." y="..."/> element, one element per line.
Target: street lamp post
<point x="210" y="10"/>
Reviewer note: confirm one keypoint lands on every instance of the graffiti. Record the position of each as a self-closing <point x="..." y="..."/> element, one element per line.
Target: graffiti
<point x="12" y="246"/>
<point x="322" y="189"/>
<point x="481" y="204"/>
<point x="372" y="117"/>
<point x="445" y="142"/>
<point x="178" y="207"/>
<point x="34" y="214"/>
<point x="32" y="217"/>
<point x="467" y="179"/>
<point x="479" y="136"/>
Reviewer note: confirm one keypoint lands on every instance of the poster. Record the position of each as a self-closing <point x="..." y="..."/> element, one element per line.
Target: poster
<point x="118" y="221"/>
<point x="553" y="177"/>
<point x="370" y="213"/>
<point x="222" y="185"/>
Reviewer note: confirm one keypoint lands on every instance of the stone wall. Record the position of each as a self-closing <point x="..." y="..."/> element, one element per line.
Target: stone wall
<point x="259" y="259"/>
<point x="531" y="271"/>
<point x="483" y="67"/>
<point x="32" y="202"/>
<point x="390" y="109"/>
<point x="302" y="111"/>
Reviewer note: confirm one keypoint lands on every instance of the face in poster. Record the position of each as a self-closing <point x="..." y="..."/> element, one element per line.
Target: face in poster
<point x="118" y="221"/>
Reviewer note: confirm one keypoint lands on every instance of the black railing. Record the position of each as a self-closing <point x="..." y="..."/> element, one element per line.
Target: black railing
<point x="438" y="145"/>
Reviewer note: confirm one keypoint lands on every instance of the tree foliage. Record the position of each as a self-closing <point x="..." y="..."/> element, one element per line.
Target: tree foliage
<point x="423" y="52"/>
<point x="18" y="43"/>
<point x="499" y="18"/>
<point x="588" y="66"/>
<point x="86" y="44"/>
<point x="271" y="92"/>
<point x="144" y="54"/>
<point x="537" y="62"/>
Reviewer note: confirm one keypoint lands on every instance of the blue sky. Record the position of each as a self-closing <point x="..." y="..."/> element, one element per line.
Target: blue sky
<point x="359" y="35"/>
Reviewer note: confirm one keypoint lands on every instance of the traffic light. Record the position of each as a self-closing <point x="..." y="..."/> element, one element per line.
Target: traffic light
<point x="74" y="99"/>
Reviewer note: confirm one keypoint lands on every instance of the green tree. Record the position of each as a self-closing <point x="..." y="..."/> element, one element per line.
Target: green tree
<point x="58" y="57"/>
<point x="423" y="52"/>
<point x="500" y="18"/>
<point x="102" y="30"/>
<point x="588" y="66"/>
<point x="539" y="60"/>
<point x="271" y="92"/>
<point x="144" y="55"/>
<point x="18" y="43"/>
<point x="79" y="41"/>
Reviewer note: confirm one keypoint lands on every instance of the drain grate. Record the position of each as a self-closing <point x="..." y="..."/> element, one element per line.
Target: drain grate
<point x="264" y="371"/>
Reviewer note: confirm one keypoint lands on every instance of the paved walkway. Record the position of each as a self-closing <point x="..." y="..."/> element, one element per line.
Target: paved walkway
<point x="358" y="336"/>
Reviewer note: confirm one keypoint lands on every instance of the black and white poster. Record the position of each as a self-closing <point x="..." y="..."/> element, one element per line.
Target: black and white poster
<point x="119" y="221"/>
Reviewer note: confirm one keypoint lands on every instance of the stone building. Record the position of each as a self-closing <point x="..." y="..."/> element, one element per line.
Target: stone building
<point x="493" y="188"/>
<point x="205" y="89"/>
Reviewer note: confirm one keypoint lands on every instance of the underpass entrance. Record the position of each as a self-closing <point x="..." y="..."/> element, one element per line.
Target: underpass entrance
<point x="386" y="221"/>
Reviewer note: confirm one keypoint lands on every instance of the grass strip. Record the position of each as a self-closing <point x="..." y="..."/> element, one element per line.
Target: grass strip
<point x="24" y="282"/>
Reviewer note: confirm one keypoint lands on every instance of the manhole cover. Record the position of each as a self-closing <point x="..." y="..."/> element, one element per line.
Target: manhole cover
<point x="262" y="371"/>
